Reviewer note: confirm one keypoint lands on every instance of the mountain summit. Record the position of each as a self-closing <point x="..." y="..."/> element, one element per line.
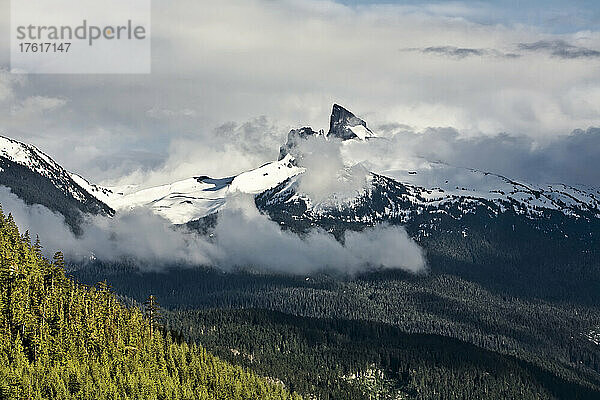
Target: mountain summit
<point x="395" y="196"/>
<point x="344" y="125"/>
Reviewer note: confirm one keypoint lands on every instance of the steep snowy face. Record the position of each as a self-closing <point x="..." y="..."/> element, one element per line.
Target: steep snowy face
<point x="266" y="177"/>
<point x="194" y="198"/>
<point x="179" y="202"/>
<point x="38" y="162"/>
<point x="15" y="153"/>
<point x="401" y="196"/>
<point x="345" y="126"/>
<point x="103" y="194"/>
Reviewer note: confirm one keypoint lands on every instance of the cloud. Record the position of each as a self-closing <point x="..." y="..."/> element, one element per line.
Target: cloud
<point x="559" y="49"/>
<point x="36" y="105"/>
<point x="9" y="85"/>
<point x="556" y="48"/>
<point x="290" y="60"/>
<point x="571" y="159"/>
<point x="243" y="237"/>
<point x="459" y="52"/>
<point x="6" y="86"/>
<point x="462" y="52"/>
<point x="160" y="113"/>
<point x="248" y="238"/>
<point x="327" y="178"/>
<point x="140" y="235"/>
<point x="224" y="151"/>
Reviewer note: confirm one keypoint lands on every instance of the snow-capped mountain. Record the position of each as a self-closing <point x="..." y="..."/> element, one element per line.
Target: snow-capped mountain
<point x="194" y="198"/>
<point x="406" y="193"/>
<point x="396" y="196"/>
<point x="400" y="197"/>
<point x="542" y="239"/>
<point x="37" y="179"/>
<point x="14" y="153"/>
<point x="442" y="183"/>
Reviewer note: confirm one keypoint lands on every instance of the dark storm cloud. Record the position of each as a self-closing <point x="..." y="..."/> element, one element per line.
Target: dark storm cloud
<point x="560" y="49"/>
<point x="460" y="52"/>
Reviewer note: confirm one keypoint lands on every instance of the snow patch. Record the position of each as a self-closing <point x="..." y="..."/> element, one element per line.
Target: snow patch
<point x="360" y="131"/>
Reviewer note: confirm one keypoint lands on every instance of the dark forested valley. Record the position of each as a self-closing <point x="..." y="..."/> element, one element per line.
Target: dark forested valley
<point x="383" y="334"/>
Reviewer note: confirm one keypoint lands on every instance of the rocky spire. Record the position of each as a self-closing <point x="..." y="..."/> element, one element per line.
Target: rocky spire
<point x="344" y="125"/>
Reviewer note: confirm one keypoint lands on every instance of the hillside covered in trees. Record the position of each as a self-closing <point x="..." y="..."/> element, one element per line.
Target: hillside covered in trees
<point x="315" y="332"/>
<point x="344" y="359"/>
<point x="62" y="340"/>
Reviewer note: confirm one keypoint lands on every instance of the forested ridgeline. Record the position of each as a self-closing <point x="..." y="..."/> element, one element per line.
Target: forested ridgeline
<point x="62" y="340"/>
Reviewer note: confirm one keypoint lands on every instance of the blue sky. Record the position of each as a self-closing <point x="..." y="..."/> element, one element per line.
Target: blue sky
<point x="555" y="16"/>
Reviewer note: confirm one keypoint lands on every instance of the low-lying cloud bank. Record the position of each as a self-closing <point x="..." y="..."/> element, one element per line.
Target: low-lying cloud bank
<point x="247" y="237"/>
<point x="243" y="237"/>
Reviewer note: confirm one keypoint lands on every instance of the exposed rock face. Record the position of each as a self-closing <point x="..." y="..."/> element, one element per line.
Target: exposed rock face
<point x="37" y="179"/>
<point x="344" y="125"/>
<point x="293" y="139"/>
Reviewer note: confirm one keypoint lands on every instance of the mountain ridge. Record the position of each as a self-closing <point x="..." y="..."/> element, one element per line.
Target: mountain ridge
<point x="434" y="185"/>
<point x="37" y="179"/>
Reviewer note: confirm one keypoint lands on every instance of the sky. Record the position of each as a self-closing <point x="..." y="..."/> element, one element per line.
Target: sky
<point x="508" y="86"/>
<point x="555" y="16"/>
